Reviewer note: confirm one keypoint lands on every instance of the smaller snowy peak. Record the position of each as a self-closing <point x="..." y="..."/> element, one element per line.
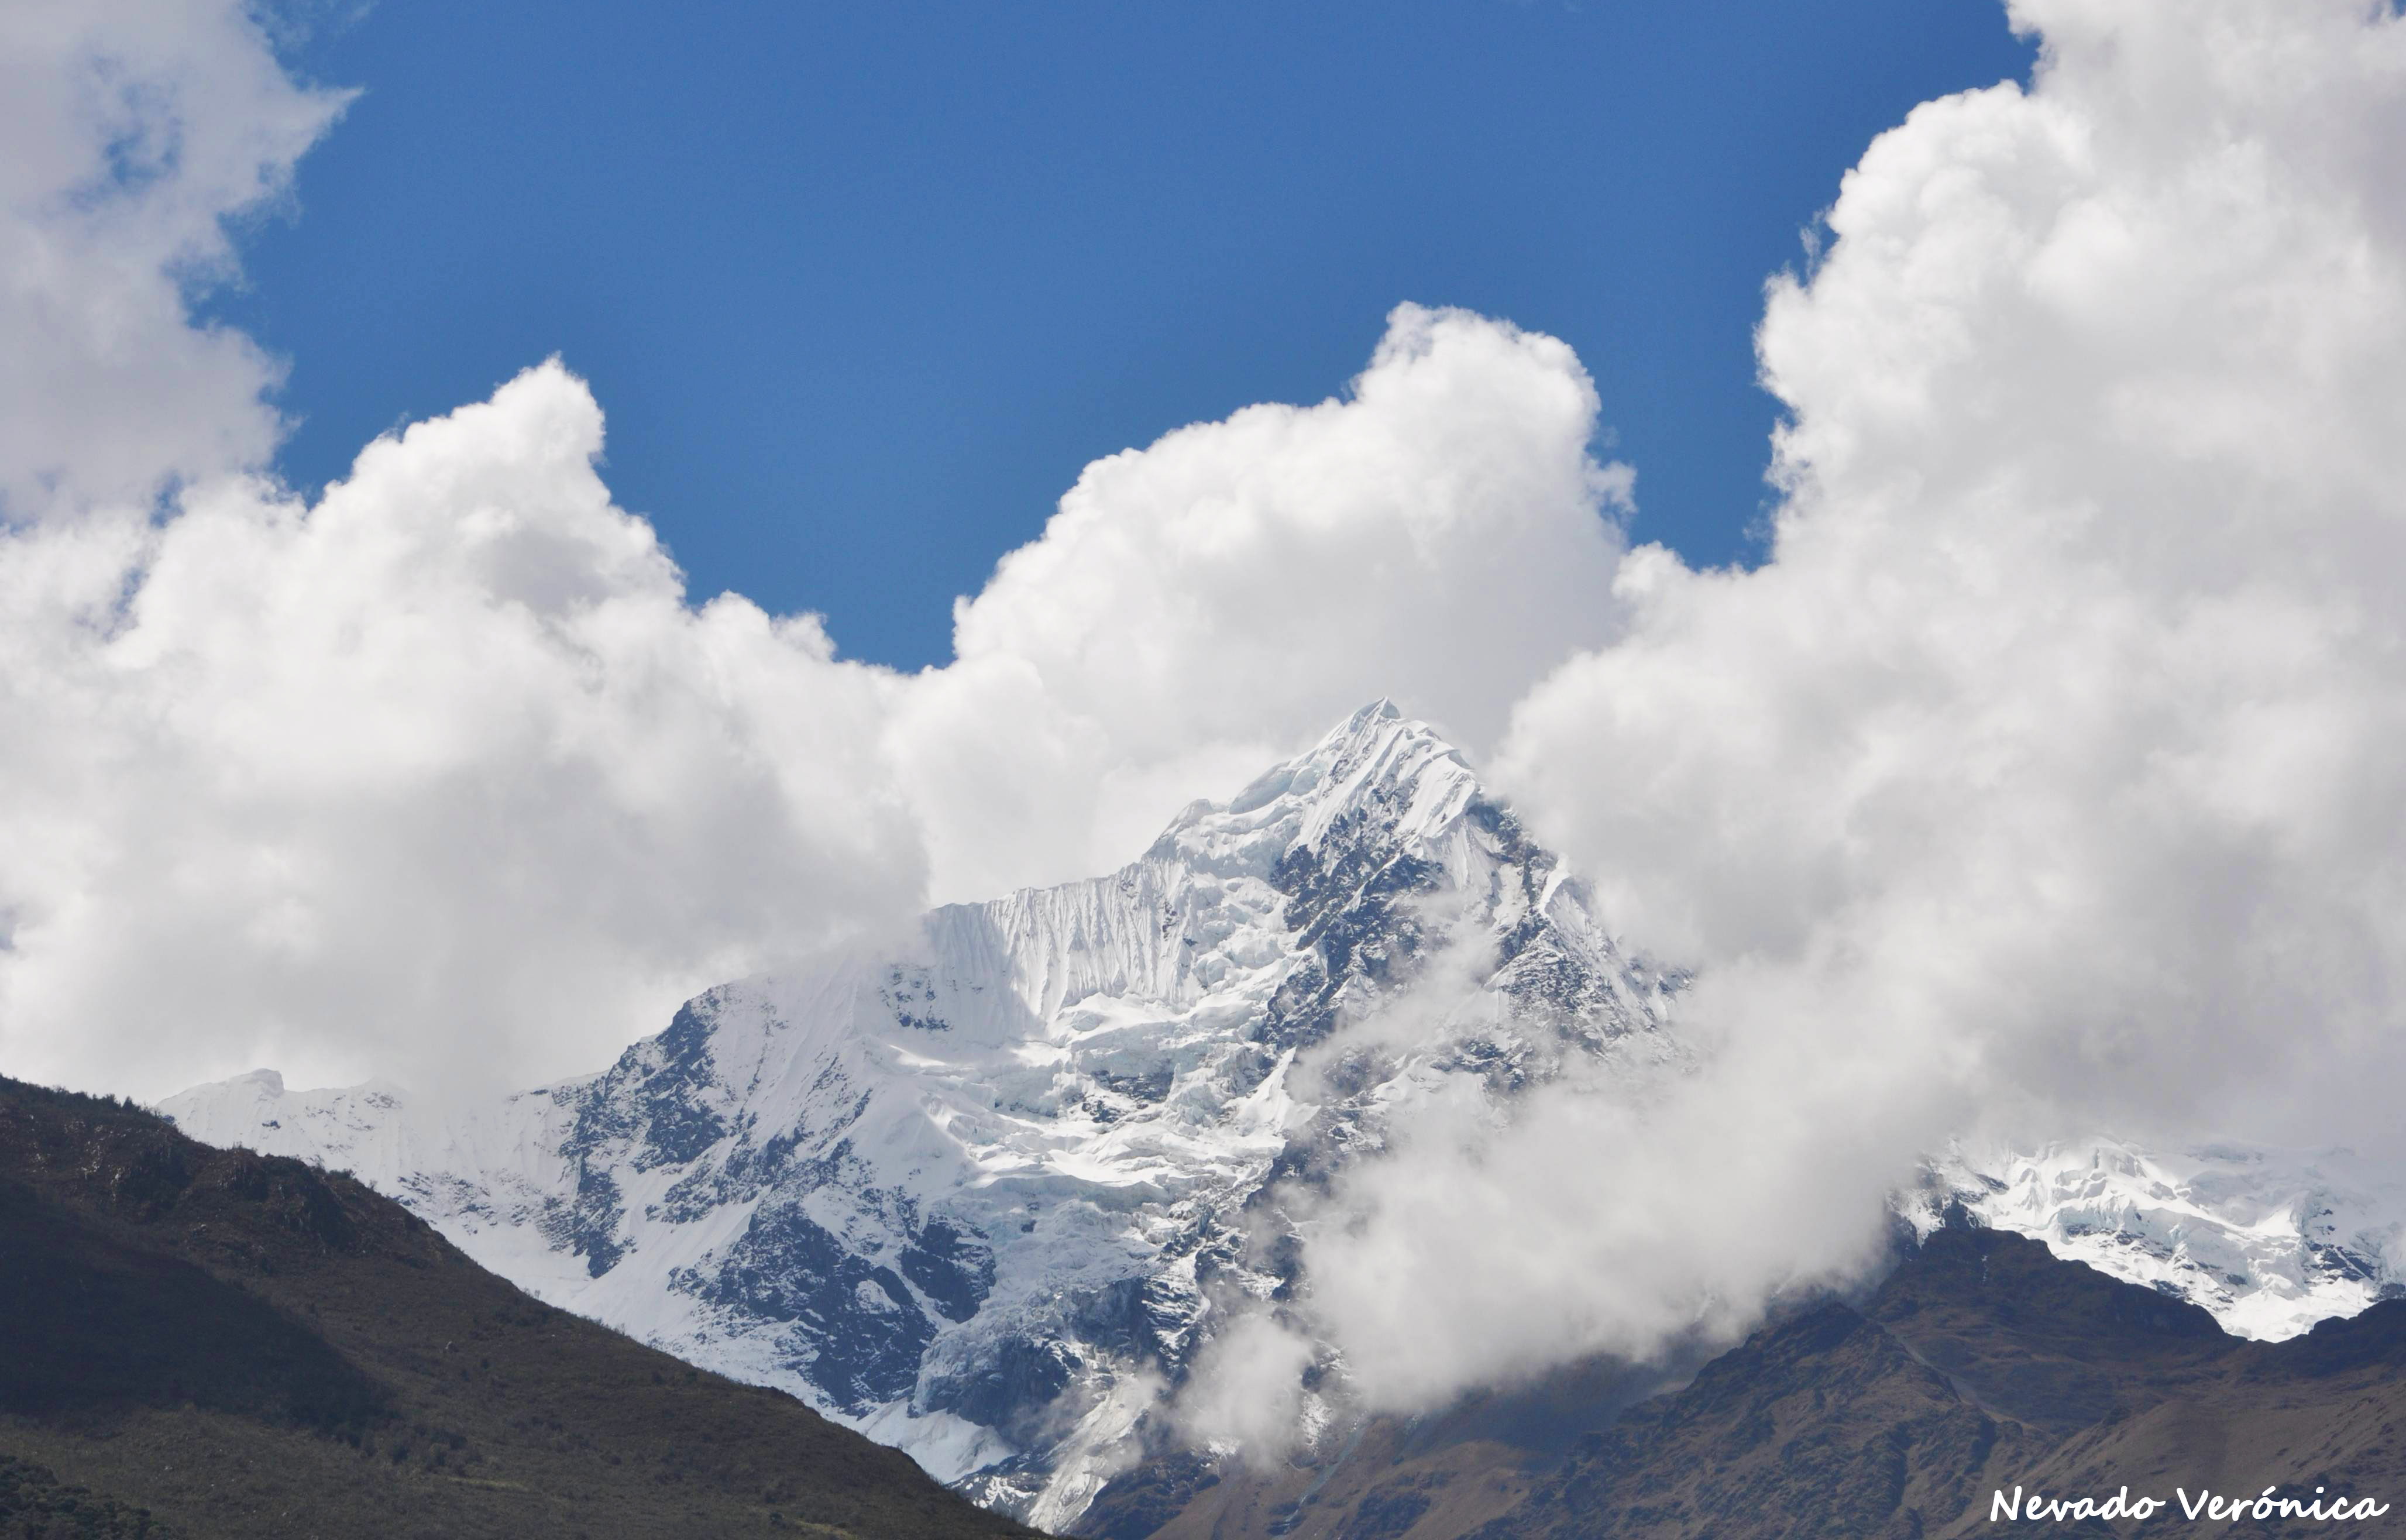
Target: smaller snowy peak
<point x="2269" y="1240"/>
<point x="483" y="1171"/>
<point x="355" y="1127"/>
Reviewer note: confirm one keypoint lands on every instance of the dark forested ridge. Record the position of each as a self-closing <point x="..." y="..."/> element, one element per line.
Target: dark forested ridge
<point x="199" y="1342"/>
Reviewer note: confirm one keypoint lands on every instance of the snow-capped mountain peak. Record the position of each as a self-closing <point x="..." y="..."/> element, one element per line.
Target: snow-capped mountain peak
<point x="979" y="1199"/>
<point x="985" y="1199"/>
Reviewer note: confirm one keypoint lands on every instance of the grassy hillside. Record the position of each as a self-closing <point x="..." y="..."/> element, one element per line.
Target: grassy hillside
<point x="197" y="1342"/>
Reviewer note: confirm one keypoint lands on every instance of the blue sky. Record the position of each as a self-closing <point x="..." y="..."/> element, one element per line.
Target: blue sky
<point x="863" y="287"/>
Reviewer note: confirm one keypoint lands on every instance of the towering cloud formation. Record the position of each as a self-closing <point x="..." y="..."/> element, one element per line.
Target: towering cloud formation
<point x="2052" y="772"/>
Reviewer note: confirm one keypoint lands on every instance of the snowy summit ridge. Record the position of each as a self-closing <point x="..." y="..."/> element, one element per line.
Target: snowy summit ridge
<point x="979" y="1200"/>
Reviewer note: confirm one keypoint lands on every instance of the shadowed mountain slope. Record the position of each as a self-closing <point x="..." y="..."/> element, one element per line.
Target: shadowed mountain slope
<point x="1982" y="1363"/>
<point x="202" y="1342"/>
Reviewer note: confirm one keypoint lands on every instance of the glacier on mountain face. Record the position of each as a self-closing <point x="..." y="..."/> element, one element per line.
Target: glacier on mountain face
<point x="985" y="1200"/>
<point x="2270" y="1241"/>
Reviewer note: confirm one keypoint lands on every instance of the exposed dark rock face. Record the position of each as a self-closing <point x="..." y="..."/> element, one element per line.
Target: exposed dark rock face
<point x="588" y="1224"/>
<point x="655" y="1107"/>
<point x="952" y="1268"/>
<point x="1013" y="1379"/>
<point x="860" y="1333"/>
<point x="1348" y="903"/>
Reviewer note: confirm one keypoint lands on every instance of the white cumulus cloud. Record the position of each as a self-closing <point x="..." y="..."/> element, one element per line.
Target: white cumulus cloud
<point x="439" y="778"/>
<point x="447" y="777"/>
<point x="132" y="127"/>
<point x="2049" y="776"/>
<point x="1195" y="608"/>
